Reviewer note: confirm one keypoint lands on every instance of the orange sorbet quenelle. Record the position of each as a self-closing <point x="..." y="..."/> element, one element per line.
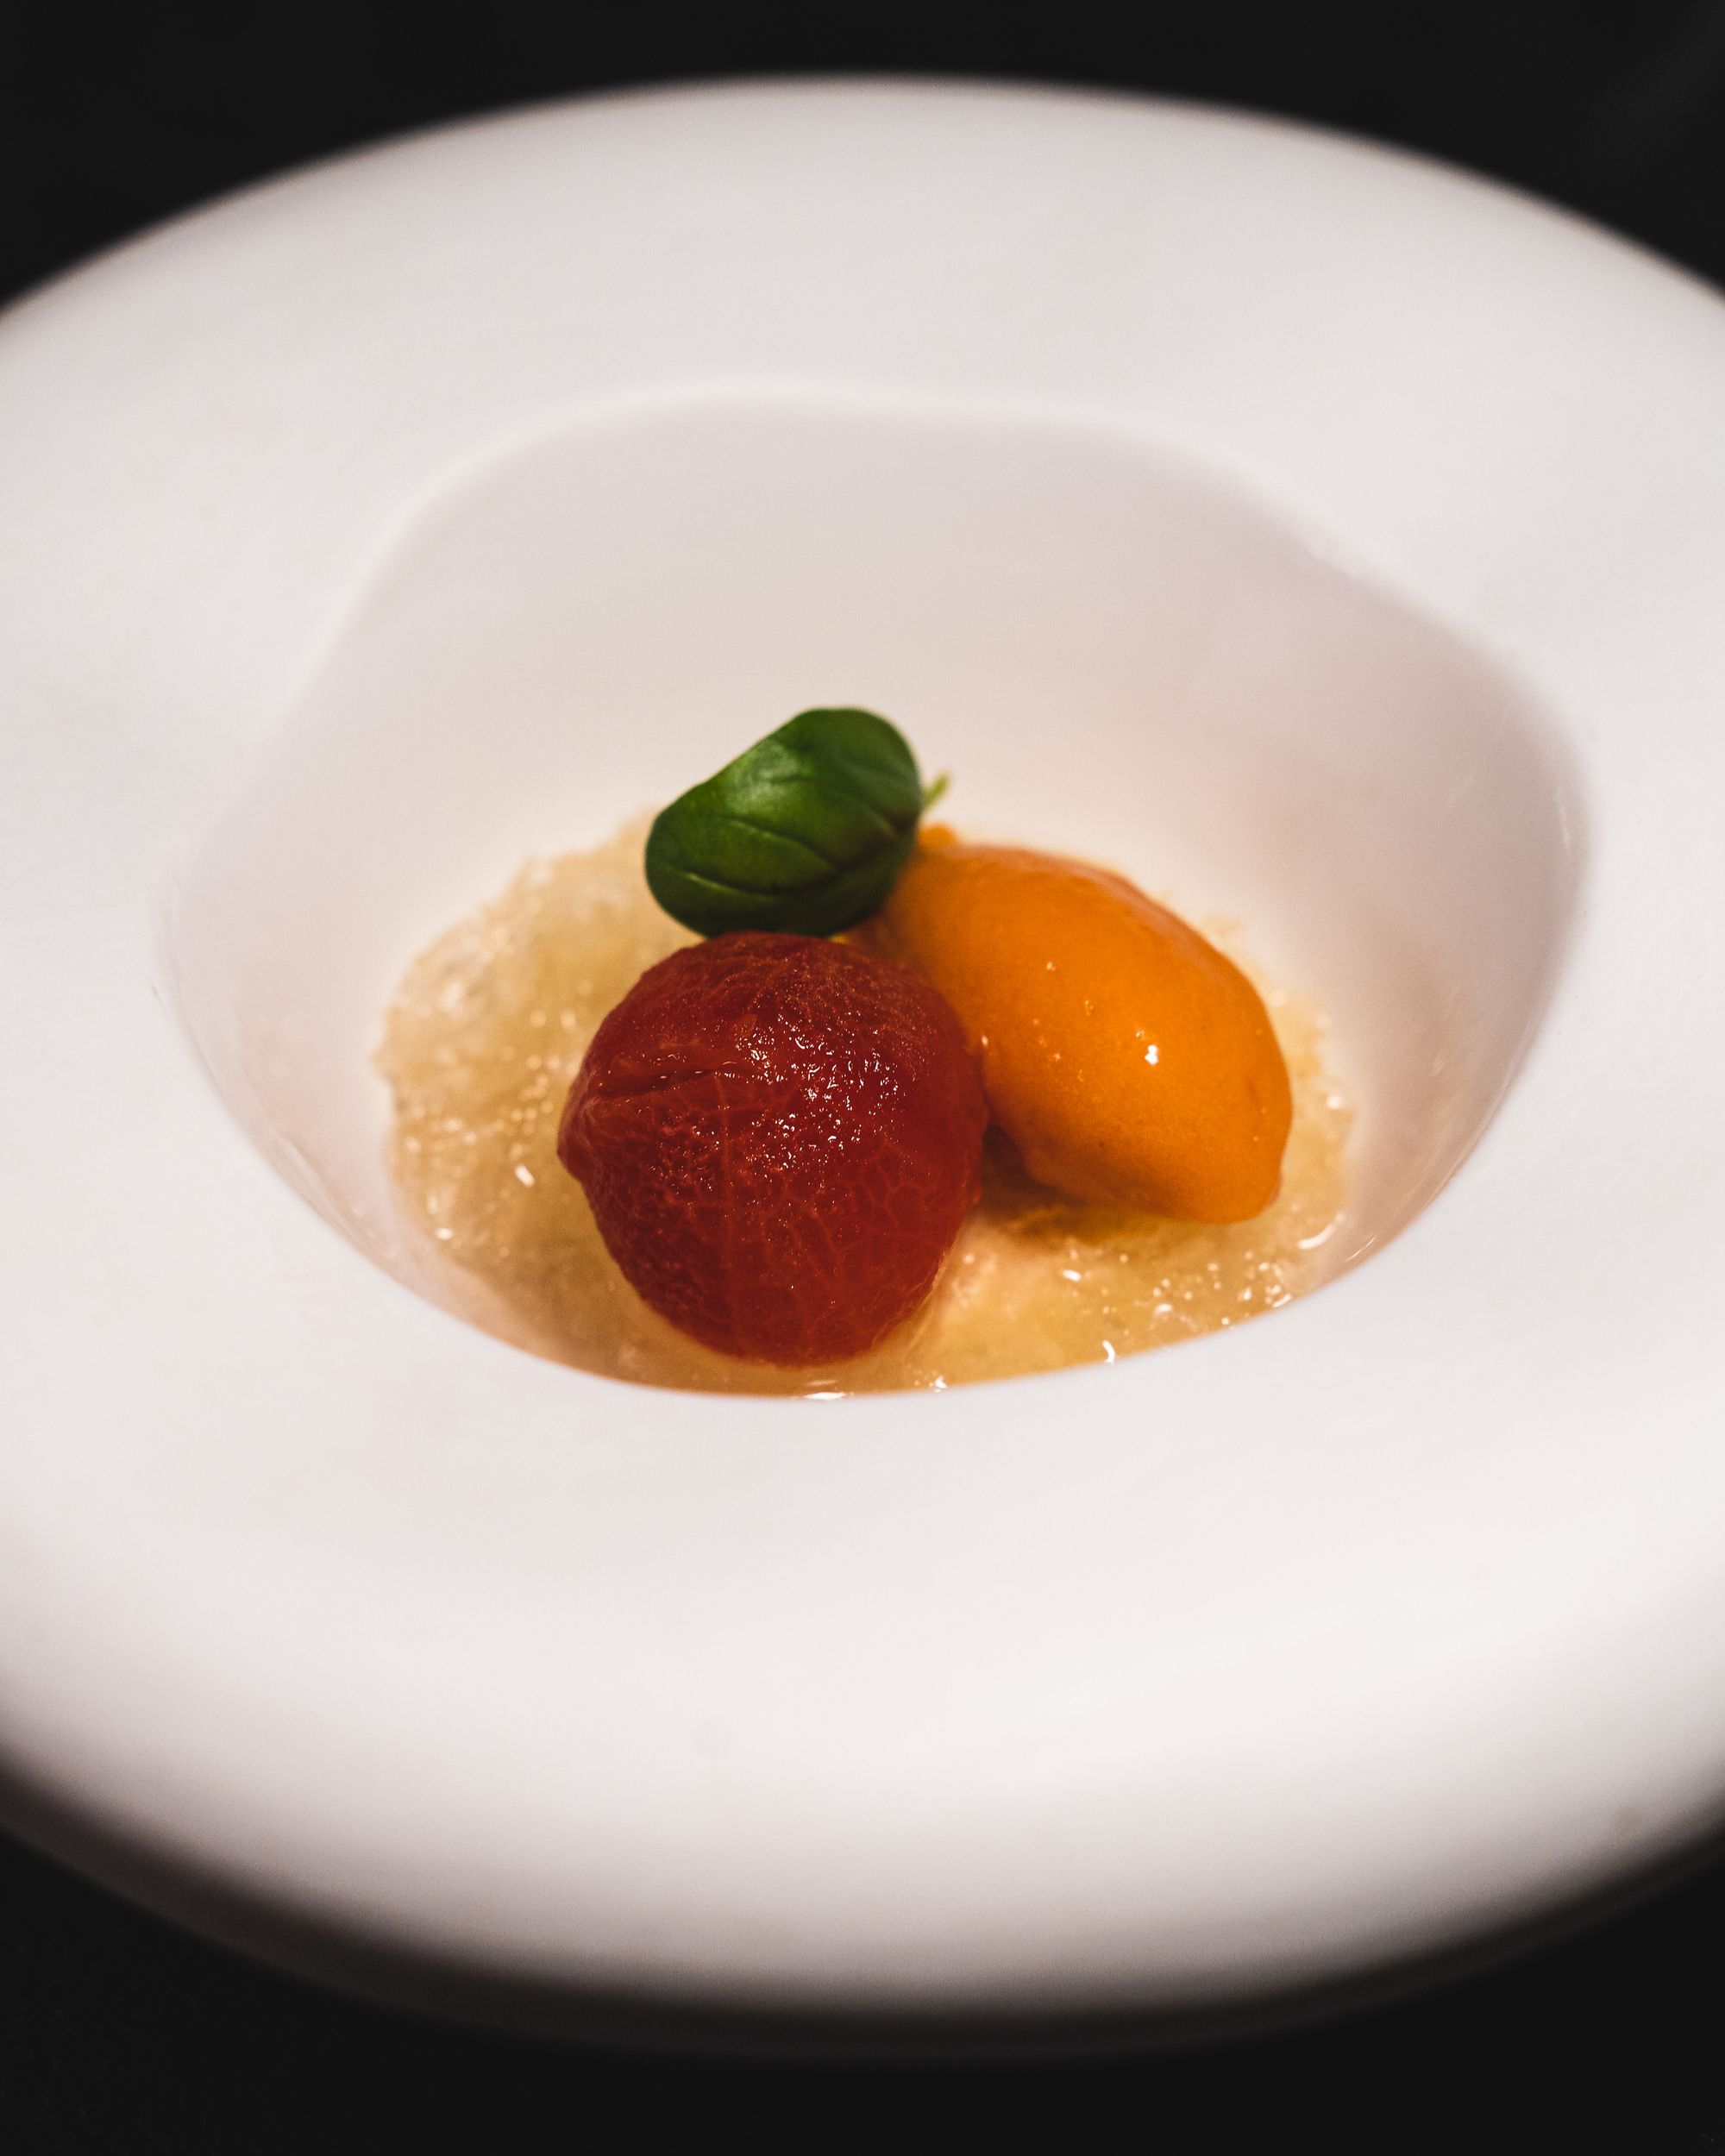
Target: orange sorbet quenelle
<point x="1128" y="1061"/>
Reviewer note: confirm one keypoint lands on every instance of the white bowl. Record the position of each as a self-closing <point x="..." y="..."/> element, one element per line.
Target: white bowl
<point x="1335" y="540"/>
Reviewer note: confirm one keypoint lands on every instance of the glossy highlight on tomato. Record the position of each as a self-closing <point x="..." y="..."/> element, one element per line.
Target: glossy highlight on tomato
<point x="780" y="1137"/>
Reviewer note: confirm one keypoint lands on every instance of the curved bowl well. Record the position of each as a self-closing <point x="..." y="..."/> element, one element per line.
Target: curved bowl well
<point x="1116" y="656"/>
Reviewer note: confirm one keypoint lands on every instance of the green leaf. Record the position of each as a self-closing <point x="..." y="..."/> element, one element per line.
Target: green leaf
<point x="807" y="831"/>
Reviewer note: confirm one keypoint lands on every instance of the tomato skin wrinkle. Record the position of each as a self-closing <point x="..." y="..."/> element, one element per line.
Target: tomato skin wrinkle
<point x="780" y="1137"/>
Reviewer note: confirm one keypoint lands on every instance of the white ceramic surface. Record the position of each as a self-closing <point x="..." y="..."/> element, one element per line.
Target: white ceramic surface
<point x="1334" y="540"/>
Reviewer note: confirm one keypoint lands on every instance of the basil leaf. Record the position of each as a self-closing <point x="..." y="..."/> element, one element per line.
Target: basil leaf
<point x="805" y="831"/>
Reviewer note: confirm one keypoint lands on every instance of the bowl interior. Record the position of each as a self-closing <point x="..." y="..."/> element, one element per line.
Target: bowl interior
<point x="1114" y="655"/>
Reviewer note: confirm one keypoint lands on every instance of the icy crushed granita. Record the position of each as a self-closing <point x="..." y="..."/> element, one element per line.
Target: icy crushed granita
<point x="773" y="1266"/>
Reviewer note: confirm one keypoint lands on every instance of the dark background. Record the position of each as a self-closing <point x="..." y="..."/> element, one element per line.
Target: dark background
<point x="109" y="118"/>
<point x="118" y="2033"/>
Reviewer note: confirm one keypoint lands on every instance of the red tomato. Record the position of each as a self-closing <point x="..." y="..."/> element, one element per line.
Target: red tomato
<point x="779" y="1138"/>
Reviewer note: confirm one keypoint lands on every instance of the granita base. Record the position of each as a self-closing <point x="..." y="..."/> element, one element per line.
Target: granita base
<point x="488" y="1028"/>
